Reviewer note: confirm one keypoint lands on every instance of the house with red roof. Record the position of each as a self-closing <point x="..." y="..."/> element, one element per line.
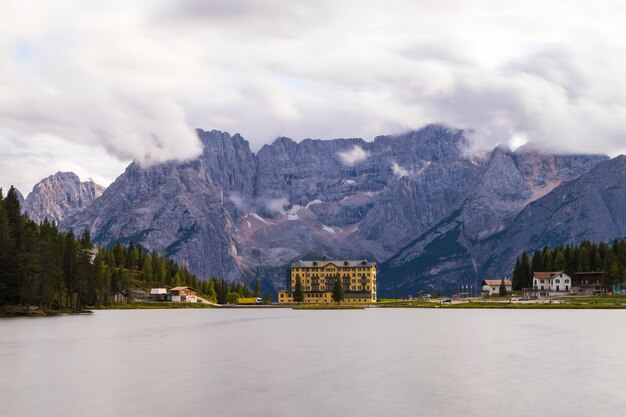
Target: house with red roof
<point x="549" y="284"/>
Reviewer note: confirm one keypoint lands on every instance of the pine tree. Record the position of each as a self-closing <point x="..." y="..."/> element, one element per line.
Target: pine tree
<point x="560" y="262"/>
<point x="211" y="294"/>
<point x="257" y="288"/>
<point x="537" y="262"/>
<point x="526" y="273"/>
<point x="298" y="294"/>
<point x="516" y="276"/>
<point x="548" y="261"/>
<point x="502" y="288"/>
<point x="338" y="292"/>
<point x="146" y="271"/>
<point x="6" y="250"/>
<point x="70" y="259"/>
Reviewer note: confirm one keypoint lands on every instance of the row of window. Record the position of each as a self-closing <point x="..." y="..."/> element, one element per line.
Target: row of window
<point x="350" y="269"/>
<point x="330" y="281"/>
<point x="558" y="281"/>
<point x="345" y="287"/>
<point x="332" y="275"/>
<point x="557" y="288"/>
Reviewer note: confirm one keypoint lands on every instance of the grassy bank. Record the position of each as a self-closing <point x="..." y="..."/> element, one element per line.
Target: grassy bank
<point x="593" y="302"/>
<point x="151" y="305"/>
<point x="536" y="306"/>
<point x="329" y="307"/>
<point x="21" y="311"/>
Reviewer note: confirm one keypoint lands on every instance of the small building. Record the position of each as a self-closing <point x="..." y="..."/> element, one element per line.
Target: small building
<point x="492" y="286"/>
<point x="588" y="283"/>
<point x="549" y="284"/>
<point x="184" y="295"/>
<point x="158" y="294"/>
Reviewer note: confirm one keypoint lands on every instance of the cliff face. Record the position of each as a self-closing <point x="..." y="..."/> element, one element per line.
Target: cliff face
<point x="591" y="207"/>
<point x="180" y="209"/>
<point x="59" y="196"/>
<point x="455" y="250"/>
<point x="232" y="213"/>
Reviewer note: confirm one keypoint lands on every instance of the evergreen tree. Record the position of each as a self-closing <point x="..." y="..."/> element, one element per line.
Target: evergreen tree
<point x="502" y="288"/>
<point x="526" y="274"/>
<point x="516" y="276"/>
<point x="537" y="262"/>
<point x="146" y="271"/>
<point x="338" y="291"/>
<point x="211" y="294"/>
<point x="298" y="294"/>
<point x="257" y="288"/>
<point x="6" y="252"/>
<point x="548" y="261"/>
<point x="560" y="262"/>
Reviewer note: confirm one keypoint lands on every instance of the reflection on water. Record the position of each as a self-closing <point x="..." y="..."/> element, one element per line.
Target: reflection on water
<point x="280" y="362"/>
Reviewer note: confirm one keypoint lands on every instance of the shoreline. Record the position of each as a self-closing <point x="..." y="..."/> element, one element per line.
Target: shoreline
<point x="611" y="302"/>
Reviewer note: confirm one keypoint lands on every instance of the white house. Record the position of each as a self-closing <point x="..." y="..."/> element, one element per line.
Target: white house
<point x="492" y="286"/>
<point x="549" y="284"/>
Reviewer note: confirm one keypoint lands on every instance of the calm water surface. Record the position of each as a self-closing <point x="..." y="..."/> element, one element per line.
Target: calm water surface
<point x="280" y="362"/>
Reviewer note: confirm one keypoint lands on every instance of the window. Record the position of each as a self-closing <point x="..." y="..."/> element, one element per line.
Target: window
<point x="567" y="281"/>
<point x="542" y="283"/>
<point x="557" y="288"/>
<point x="558" y="281"/>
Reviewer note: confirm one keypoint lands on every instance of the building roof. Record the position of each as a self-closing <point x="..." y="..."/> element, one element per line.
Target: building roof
<point x="547" y="275"/>
<point x="157" y="291"/>
<point x="496" y="282"/>
<point x="590" y="274"/>
<point x="183" y="288"/>
<point x="338" y="263"/>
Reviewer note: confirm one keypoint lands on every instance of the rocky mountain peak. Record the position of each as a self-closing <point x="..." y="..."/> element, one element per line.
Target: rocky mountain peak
<point x="60" y="195"/>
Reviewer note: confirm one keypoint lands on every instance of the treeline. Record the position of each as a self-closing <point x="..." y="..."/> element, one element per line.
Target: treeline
<point x="42" y="266"/>
<point x="609" y="258"/>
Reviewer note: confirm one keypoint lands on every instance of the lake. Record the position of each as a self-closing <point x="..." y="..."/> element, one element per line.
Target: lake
<point x="282" y="362"/>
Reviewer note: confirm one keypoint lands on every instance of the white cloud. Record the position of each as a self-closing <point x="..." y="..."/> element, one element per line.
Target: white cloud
<point x="132" y="79"/>
<point x="276" y="205"/>
<point x="353" y="156"/>
<point x="25" y="160"/>
<point x="399" y="170"/>
<point x="266" y="206"/>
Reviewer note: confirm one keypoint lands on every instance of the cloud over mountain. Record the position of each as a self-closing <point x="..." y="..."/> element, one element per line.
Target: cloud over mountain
<point x="137" y="79"/>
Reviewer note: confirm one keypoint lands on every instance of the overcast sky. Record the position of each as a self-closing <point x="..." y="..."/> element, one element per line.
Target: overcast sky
<point x="89" y="86"/>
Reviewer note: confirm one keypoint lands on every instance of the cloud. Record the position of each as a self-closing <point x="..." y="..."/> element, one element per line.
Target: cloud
<point x="399" y="170"/>
<point x="276" y="205"/>
<point x="136" y="80"/>
<point x="353" y="156"/>
<point x="25" y="161"/>
<point x="266" y="206"/>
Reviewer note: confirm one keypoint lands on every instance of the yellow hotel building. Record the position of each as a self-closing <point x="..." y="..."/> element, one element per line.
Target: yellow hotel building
<point x="318" y="278"/>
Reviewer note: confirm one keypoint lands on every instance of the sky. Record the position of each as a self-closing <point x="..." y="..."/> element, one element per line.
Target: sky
<point x="89" y="86"/>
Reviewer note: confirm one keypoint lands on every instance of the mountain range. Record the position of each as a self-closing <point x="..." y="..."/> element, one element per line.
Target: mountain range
<point x="425" y="206"/>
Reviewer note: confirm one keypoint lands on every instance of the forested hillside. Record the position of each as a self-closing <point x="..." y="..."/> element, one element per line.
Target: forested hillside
<point x="610" y="258"/>
<point x="41" y="266"/>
